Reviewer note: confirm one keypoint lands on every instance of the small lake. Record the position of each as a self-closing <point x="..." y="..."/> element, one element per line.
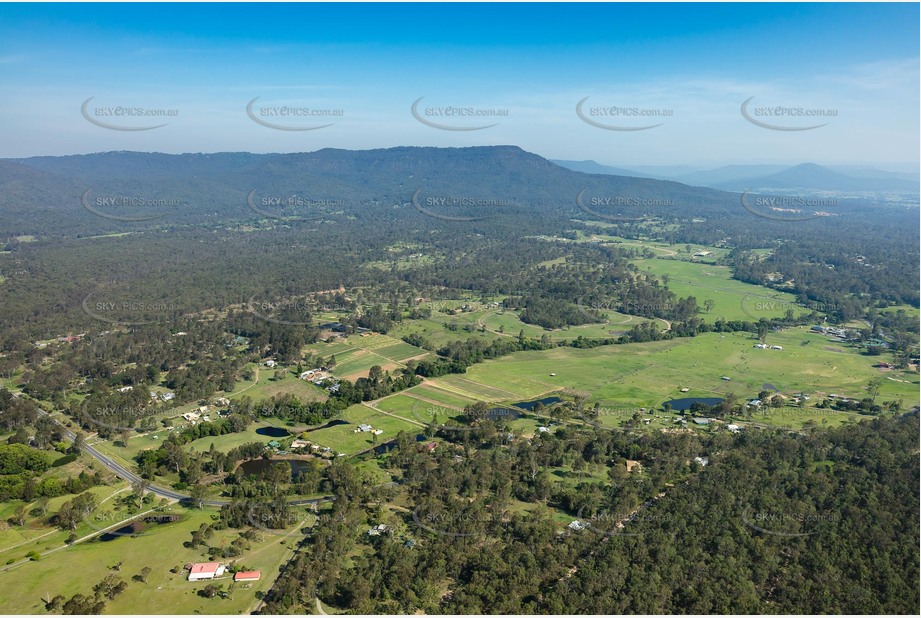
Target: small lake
<point x="502" y="414"/>
<point x="388" y="446"/>
<point x="529" y="405"/>
<point x="273" y="432"/>
<point x="138" y="527"/>
<point x="685" y="403"/>
<point x="333" y="423"/>
<point x="256" y="467"/>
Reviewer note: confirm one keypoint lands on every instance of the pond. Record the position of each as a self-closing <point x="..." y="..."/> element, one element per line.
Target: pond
<point x="529" y="405"/>
<point x="273" y="432"/>
<point x="388" y="446"/>
<point x="256" y="467"/>
<point x="504" y="414"/>
<point x="685" y="403"/>
<point x="333" y="423"/>
<point x="137" y="527"/>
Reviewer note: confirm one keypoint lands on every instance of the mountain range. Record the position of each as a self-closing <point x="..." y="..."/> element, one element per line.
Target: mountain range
<point x="807" y="177"/>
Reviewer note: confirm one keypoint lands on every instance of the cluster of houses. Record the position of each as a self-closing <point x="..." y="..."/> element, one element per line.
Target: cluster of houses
<point x="303" y="445"/>
<point x="840" y="333"/>
<point x="316" y="376"/>
<point x="200" y="571"/>
<point x="62" y="339"/>
<point x="196" y="416"/>
<point x="706" y="422"/>
<point x="365" y="428"/>
<point x="163" y="396"/>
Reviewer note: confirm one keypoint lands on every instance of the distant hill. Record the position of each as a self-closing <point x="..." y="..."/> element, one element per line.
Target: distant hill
<point x="727" y="173"/>
<point x="809" y="176"/>
<point x="47" y="193"/>
<point x="593" y="167"/>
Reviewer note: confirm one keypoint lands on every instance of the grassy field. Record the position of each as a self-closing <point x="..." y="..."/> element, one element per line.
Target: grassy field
<point x="232" y="440"/>
<point x="78" y="568"/>
<point x="356" y="355"/>
<point x="222" y="443"/>
<point x="732" y="299"/>
<point x="265" y="386"/>
<point x="38" y="534"/>
<point x="510" y="325"/>
<point x="343" y="439"/>
<point x="439" y="396"/>
<point x="647" y="375"/>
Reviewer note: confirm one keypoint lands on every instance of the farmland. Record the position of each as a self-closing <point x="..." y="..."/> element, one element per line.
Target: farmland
<point x="164" y="592"/>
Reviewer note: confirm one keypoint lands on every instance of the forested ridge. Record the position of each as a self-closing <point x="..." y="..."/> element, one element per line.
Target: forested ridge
<point x="777" y="522"/>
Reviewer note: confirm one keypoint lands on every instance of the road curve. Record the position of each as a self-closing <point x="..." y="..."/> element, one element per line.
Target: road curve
<point x="164" y="492"/>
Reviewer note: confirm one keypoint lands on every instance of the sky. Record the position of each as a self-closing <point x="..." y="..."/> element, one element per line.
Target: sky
<point x="658" y="83"/>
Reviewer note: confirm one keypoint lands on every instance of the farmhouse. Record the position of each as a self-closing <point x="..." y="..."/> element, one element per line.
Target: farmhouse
<point x="269" y="363"/>
<point x="701" y="421"/>
<point x="733" y="428"/>
<point x="300" y="444"/>
<point x="576" y="525"/>
<point x="247" y="576"/>
<point x="377" y="530"/>
<point x="703" y="254"/>
<point x="205" y="570"/>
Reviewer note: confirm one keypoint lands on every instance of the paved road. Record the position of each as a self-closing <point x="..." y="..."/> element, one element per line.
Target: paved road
<point x="164" y="492"/>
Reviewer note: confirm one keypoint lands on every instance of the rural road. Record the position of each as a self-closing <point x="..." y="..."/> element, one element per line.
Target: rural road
<point x="164" y="492"/>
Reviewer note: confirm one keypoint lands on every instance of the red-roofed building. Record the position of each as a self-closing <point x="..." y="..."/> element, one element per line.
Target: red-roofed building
<point x="247" y="576"/>
<point x="205" y="570"/>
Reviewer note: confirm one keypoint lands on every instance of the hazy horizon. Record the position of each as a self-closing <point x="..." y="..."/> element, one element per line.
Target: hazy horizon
<point x="655" y="83"/>
<point x="889" y="166"/>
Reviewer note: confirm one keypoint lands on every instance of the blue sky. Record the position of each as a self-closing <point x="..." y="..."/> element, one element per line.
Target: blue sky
<point x="693" y="65"/>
